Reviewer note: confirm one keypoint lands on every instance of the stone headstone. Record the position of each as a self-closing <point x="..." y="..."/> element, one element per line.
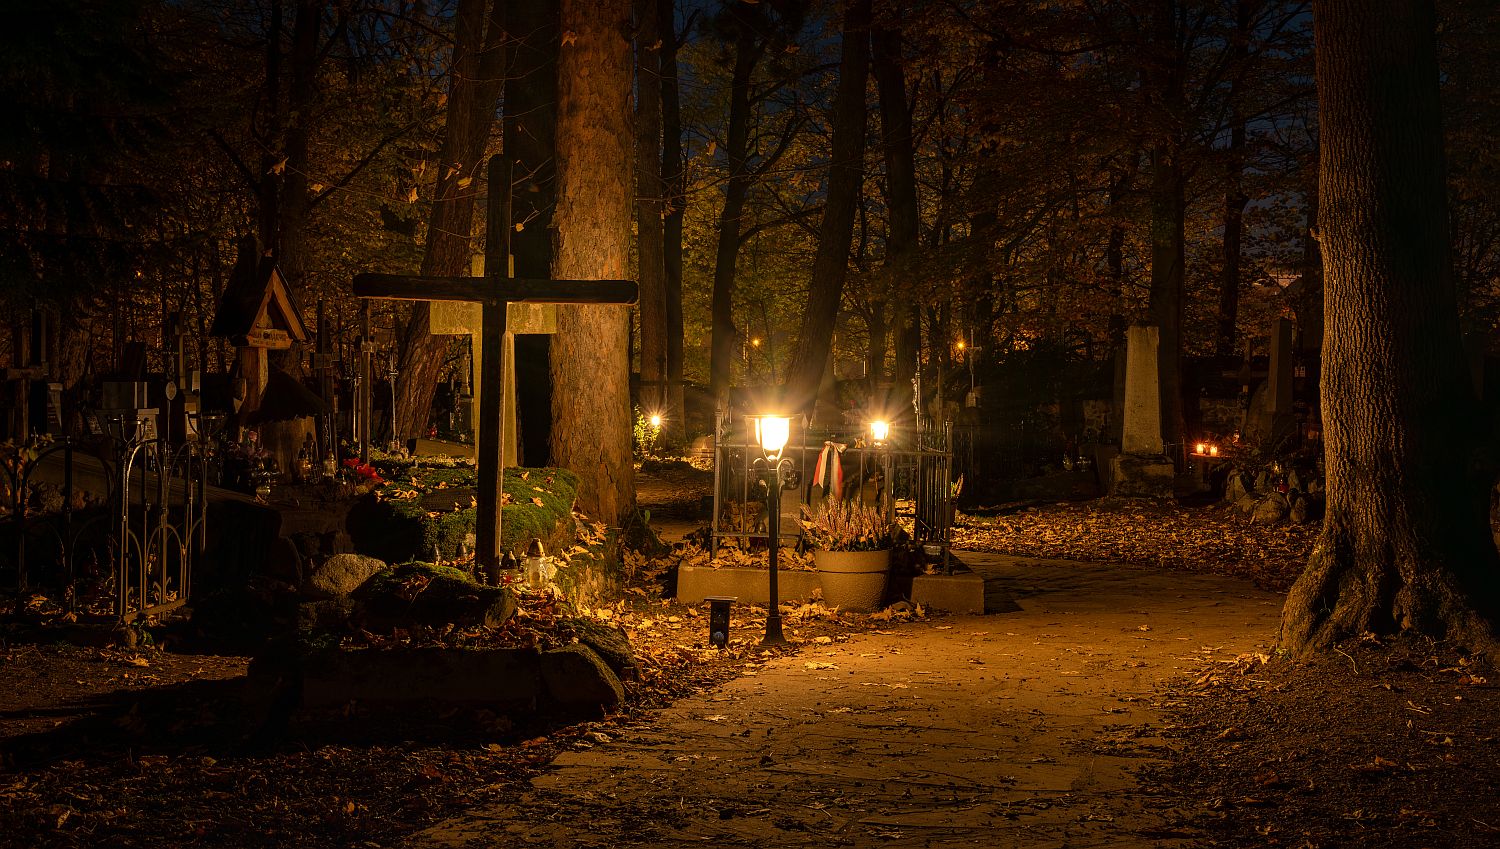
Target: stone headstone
<point x="1273" y="420"/>
<point x="1142" y="414"/>
<point x="1141" y="470"/>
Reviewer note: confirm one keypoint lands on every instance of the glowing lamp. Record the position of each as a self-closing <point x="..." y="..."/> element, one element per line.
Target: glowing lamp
<point x="656" y="421"/>
<point x="1201" y="448"/>
<point x="772" y="432"/>
<point x="1213" y="450"/>
<point x="880" y="431"/>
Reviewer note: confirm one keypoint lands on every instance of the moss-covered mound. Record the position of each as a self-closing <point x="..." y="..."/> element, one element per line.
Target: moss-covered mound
<point x="426" y="594"/>
<point x="425" y="513"/>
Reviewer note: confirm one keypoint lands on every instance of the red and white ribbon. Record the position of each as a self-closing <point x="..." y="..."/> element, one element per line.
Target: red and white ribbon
<point x="830" y="471"/>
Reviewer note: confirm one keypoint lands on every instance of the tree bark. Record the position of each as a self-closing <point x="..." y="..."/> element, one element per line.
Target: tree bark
<point x="748" y="49"/>
<point x="473" y="89"/>
<point x="1168" y="215"/>
<point x="590" y="353"/>
<point x="675" y="199"/>
<point x="1405" y="544"/>
<point x="901" y="189"/>
<point x="1235" y="198"/>
<point x="650" y="246"/>
<point x="1235" y="201"/>
<point x="845" y="173"/>
<point x="291" y="245"/>
<point x="1309" y="307"/>
<point x="528" y="126"/>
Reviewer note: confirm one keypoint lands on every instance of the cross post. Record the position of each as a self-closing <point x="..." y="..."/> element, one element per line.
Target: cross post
<point x="494" y="292"/>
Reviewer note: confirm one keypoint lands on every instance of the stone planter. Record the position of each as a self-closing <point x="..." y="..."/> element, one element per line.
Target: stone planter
<point x="853" y="580"/>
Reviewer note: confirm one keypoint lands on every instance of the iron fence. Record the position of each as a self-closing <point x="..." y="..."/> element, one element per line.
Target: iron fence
<point x="150" y="527"/>
<point x="911" y="472"/>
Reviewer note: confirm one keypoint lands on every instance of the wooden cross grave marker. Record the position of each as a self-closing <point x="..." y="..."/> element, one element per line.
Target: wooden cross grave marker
<point x="494" y="293"/>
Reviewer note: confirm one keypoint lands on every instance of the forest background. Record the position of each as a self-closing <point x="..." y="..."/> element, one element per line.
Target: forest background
<point x="1019" y="180"/>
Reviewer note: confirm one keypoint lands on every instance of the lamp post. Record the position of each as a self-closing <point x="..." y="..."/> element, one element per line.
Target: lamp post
<point x="880" y="433"/>
<point x="772" y="431"/>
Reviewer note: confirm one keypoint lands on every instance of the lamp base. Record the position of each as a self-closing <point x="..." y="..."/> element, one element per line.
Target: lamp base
<point x="773" y="635"/>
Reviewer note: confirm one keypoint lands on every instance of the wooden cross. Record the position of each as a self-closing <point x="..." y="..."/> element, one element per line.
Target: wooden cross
<point x="494" y="293"/>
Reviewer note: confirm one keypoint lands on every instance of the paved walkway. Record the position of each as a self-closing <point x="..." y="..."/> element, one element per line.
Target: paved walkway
<point x="1012" y="729"/>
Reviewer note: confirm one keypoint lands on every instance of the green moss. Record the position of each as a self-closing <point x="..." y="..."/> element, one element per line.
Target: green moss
<point x="393" y="576"/>
<point x="399" y="527"/>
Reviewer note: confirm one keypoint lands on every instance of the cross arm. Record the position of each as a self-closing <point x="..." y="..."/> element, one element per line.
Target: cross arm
<point x="499" y="290"/>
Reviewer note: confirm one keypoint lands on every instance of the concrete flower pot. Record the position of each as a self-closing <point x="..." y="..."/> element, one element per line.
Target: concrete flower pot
<point x="853" y="580"/>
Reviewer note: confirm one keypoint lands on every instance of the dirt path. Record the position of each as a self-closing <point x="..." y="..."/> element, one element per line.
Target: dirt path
<point x="1013" y="729"/>
<point x="674" y="497"/>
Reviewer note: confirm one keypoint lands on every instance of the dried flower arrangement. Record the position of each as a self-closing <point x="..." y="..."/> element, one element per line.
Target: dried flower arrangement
<point x="847" y="526"/>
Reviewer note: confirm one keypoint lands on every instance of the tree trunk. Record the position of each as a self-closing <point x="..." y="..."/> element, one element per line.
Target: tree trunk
<point x="675" y="200"/>
<point x="1406" y="544"/>
<point x="1235" y="199"/>
<point x="845" y="172"/>
<point x="1309" y="339"/>
<point x="527" y="129"/>
<point x="590" y="354"/>
<point x="1168" y="214"/>
<point x="747" y="52"/>
<point x="650" y="245"/>
<point x="1168" y="210"/>
<point x="875" y="351"/>
<point x="1229" y="284"/>
<point x="473" y="88"/>
<point x="901" y="191"/>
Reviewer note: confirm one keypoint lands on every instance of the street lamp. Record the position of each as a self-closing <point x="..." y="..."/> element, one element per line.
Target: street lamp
<point x="772" y="432"/>
<point x="880" y="434"/>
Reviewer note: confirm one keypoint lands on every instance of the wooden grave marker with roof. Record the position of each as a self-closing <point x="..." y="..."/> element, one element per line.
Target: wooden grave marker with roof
<point x="258" y="314"/>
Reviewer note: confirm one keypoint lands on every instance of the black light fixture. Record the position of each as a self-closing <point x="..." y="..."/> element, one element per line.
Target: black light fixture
<point x="718" y="620"/>
<point x="772" y="431"/>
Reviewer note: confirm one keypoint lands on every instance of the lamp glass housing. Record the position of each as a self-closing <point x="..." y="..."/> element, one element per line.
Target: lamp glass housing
<point x="880" y="430"/>
<point x="772" y="432"/>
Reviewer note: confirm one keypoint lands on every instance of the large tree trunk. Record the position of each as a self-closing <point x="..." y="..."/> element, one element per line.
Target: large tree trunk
<point x="1114" y="261"/>
<point x="748" y="48"/>
<point x="845" y="172"/>
<point x="1168" y="210"/>
<point x="1168" y="217"/>
<point x="1406" y="544"/>
<point x="648" y="206"/>
<point x="527" y="130"/>
<point x="473" y="89"/>
<point x="1235" y="201"/>
<point x="675" y="200"/>
<point x="1235" y="198"/>
<point x="295" y="202"/>
<point x="1309" y="306"/>
<point x="591" y="351"/>
<point x="901" y="191"/>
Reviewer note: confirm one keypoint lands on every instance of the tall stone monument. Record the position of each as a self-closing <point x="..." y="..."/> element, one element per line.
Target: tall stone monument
<point x="1141" y="470"/>
<point x="464" y="318"/>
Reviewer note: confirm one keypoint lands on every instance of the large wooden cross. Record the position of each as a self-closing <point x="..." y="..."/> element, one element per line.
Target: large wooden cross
<point x="494" y="293"/>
